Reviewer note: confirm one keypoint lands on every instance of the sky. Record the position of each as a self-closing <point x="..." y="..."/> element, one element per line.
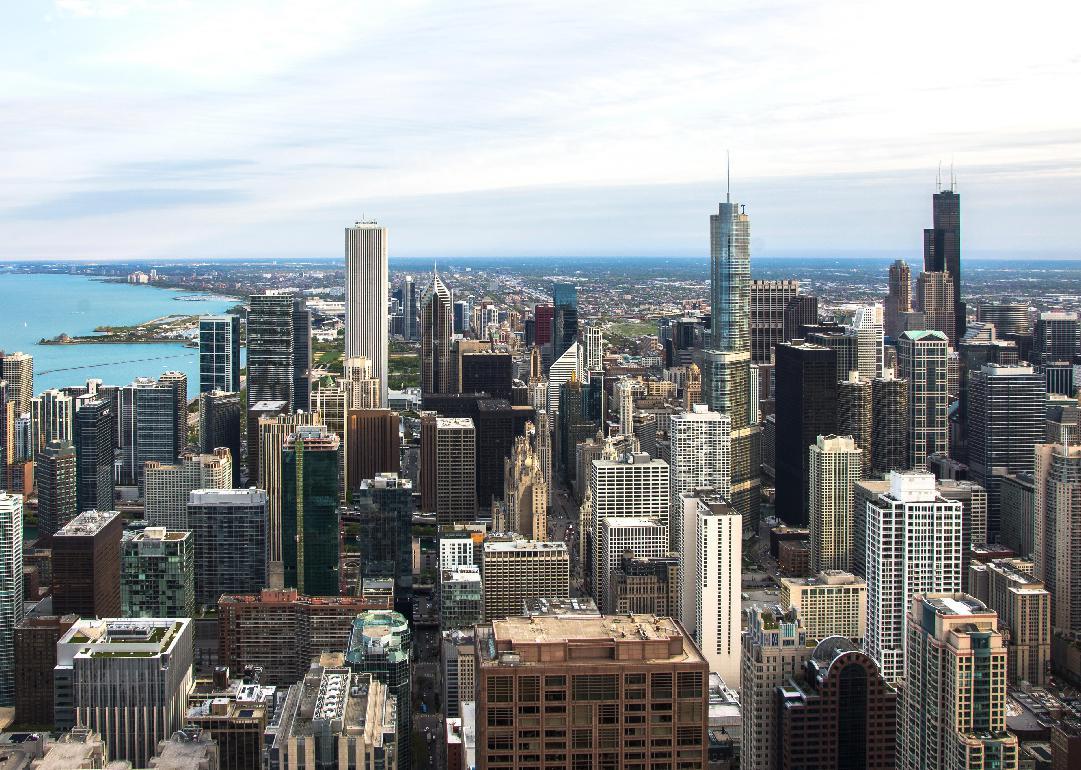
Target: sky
<point x="253" y="128"/>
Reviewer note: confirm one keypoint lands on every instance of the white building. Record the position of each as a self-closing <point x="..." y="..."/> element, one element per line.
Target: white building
<point x="568" y="365"/>
<point x="913" y="545"/>
<point x="593" y="338"/>
<point x="367" y="289"/>
<point x="52" y="418"/>
<point x="700" y="446"/>
<point x="869" y="326"/>
<point x="836" y="464"/>
<point x="168" y="487"/>
<point x="833" y="603"/>
<point x="11" y="589"/>
<point x="645" y="538"/>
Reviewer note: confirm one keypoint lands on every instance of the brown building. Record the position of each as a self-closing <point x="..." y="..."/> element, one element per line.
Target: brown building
<point x="647" y="586"/>
<point x="840" y="713"/>
<point x="35" y="659"/>
<point x="608" y="692"/>
<point x="373" y="445"/>
<point x="281" y="631"/>
<point x="794" y="558"/>
<point x="86" y="566"/>
<point x="1066" y="744"/>
<point x="235" y="712"/>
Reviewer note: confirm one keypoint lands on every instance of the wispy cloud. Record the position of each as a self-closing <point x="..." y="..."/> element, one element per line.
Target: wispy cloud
<point x="103" y="203"/>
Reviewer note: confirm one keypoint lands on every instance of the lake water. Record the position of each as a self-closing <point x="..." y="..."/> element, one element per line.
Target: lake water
<point x="33" y="307"/>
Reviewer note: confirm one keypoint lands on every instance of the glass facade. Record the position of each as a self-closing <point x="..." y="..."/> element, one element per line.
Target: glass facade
<point x="309" y="522"/>
<point x="219" y="353"/>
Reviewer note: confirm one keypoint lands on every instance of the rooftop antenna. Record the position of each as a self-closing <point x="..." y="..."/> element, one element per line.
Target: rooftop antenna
<point x="953" y="178"/>
<point x="938" y="179"/>
<point x="728" y="173"/>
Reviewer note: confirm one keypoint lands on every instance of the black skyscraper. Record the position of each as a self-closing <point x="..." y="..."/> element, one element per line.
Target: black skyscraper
<point x="564" y="318"/>
<point x="942" y="248"/>
<point x="93" y="435"/>
<point x="488" y="372"/>
<point x="219" y="426"/>
<point x="806" y="409"/>
<point x="302" y="355"/>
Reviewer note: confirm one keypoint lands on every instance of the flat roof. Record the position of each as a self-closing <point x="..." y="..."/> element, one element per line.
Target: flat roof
<point x="617" y="628"/>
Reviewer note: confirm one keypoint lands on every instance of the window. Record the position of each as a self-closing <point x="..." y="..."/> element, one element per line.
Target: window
<point x="500" y="689"/>
<point x="589" y="687"/>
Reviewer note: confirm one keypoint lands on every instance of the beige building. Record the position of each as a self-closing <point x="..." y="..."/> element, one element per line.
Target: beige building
<point x="517" y="570"/>
<point x="526" y="491"/>
<point x="1023" y="604"/>
<point x="833" y="603"/>
<point x="836" y="464"/>
<point x="167" y="487"/>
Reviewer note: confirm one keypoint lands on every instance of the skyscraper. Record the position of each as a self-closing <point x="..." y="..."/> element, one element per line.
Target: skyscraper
<point x="406" y="294"/>
<point x="836" y="464"/>
<point x="54" y="473"/>
<point x="448" y="468"/>
<point x="1023" y="604"/>
<point x="373" y="445"/>
<point x="899" y="298"/>
<point x="309" y="511"/>
<point x="593" y="340"/>
<point x="436" y="332"/>
<point x="230" y="531"/>
<point x="1057" y="541"/>
<point x="155" y="420"/>
<point x="1006" y="317"/>
<point x="167" y="486"/>
<point x="302" y="354"/>
<point x="619" y="535"/>
<point x="564" y="318"/>
<point x="921" y="358"/>
<point x="157" y="574"/>
<point x="270" y="352"/>
<point x="855" y="415"/>
<point x="566" y="367"/>
<point x="52" y="416"/>
<point x="768" y="302"/>
<point x="367" y="289"/>
<point x="1056" y="337"/>
<point x="889" y="424"/>
<point x="517" y="569"/>
<point x="11" y="589"/>
<point x="942" y="247"/>
<point x="219" y="353"/>
<point x="86" y="565"/>
<point x="934" y="298"/>
<point x="93" y="434"/>
<point x="380" y="644"/>
<point x="219" y="426"/>
<point x="18" y="370"/>
<point x="868" y="327"/>
<point x="179" y="382"/>
<point x="701" y="457"/>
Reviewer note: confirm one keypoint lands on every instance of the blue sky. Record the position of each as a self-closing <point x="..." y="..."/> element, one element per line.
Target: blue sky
<point x="182" y="128"/>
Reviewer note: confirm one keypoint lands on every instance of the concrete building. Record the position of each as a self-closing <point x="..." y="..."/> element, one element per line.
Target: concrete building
<point x="18" y="369"/>
<point x="1057" y="539"/>
<point x="899" y="298"/>
<point x="235" y="713"/>
<point x="602" y="675"/>
<point x="372" y="445"/>
<point x="647" y="586"/>
<point x="517" y="570"/>
<point x="229" y="527"/>
<point x="954" y="700"/>
<point x="11" y="589"/>
<point x="1023" y="606"/>
<point x="168" y="486"/>
<point x="1017" y="521"/>
<point x="935" y="299"/>
<point x="448" y="468"/>
<point x="921" y="359"/>
<point x="54" y="475"/>
<point x="645" y="538"/>
<point x="380" y="644"/>
<point x="367" y="287"/>
<point x="52" y="417"/>
<point x="86" y="565"/>
<point x="525" y="488"/>
<point x="157" y="574"/>
<point x="833" y="603"/>
<point x="700" y="458"/>
<point x="855" y="415"/>
<point x="768" y="302"/>
<point x="836" y="464"/>
<point x="868" y="325"/>
<point x="889" y="424"/>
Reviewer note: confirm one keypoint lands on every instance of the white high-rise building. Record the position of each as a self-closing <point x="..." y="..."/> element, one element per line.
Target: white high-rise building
<point x="869" y="326"/>
<point x="567" y="366"/>
<point x="645" y="538"/>
<point x="11" y="589"/>
<point x="593" y="337"/>
<point x="922" y="358"/>
<point x="367" y="292"/>
<point x="914" y="545"/>
<point x="52" y="418"/>
<point x="168" y="487"/>
<point x="836" y="464"/>
<point x="710" y="563"/>
<point x="701" y="456"/>
<point x="626" y="390"/>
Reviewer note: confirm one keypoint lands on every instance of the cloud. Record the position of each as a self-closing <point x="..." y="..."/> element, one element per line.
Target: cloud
<point x="102" y="203"/>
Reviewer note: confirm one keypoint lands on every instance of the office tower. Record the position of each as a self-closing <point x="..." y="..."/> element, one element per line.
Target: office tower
<point x="1007" y="318"/>
<point x="129" y="680"/>
<point x="236" y="712"/>
<point x="801" y="310"/>
<point x="179" y="382"/>
<point x="152" y="421"/>
<point x="18" y="370"/>
<point x="775" y="648"/>
<point x="35" y="658"/>
<point x="1023" y="606"/>
<point x="526" y="492"/>
<point x="487" y="371"/>
<point x="1017" y="520"/>
<point x="229" y="527"/>
<point x="647" y="586"/>
<point x="934" y="298"/>
<point x="436" y="333"/>
<point x="219" y="426"/>
<point x="273" y="432"/>
<point x="168" y="486"/>
<point x="86" y="565"/>
<point x="380" y="644"/>
<point x="576" y="422"/>
<point x="448" y="468"/>
<point x="383" y="507"/>
<point x="331" y="403"/>
<point x="331" y="718"/>
<point x="710" y="563"/>
<point x="942" y="248"/>
<point x="407" y="294"/>
<point x="701" y="458"/>
<point x="605" y="668"/>
<point x="838" y="712"/>
<point x="593" y="342"/>
<point x="367" y="288"/>
<point x="868" y="327"/>
<point x="836" y="464"/>
<point x="768" y="302"/>
<point x="645" y="538"/>
<point x="566" y="368"/>
<point x="219" y="353"/>
<point x="1057" y="539"/>
<point x="157" y="574"/>
<point x="93" y="436"/>
<point x="1056" y="337"/>
<point x="11" y="589"/>
<point x="542" y="329"/>
<point x="806" y="409"/>
<point x="461" y="598"/>
<point x="302" y="354"/>
<point x="373" y="444"/>
<point x="832" y="603"/>
<point x="889" y="424"/>
<point x="855" y="415"/>
<point x="899" y="298"/>
<point x="564" y="317"/>
<point x="973" y="499"/>
<point x="954" y="698"/>
<point x="270" y="353"/>
<point x="309" y="511"/>
<point x="921" y="358"/>
<point x="280" y="631"/>
<point x="52" y="416"/>
<point x="54" y="473"/>
<point x="914" y="545"/>
<point x="517" y="570"/>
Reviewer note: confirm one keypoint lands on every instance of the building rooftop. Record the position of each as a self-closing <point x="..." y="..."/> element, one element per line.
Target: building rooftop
<point x="123" y="637"/>
<point x="386" y="481"/>
<point x="571" y="607"/>
<point x="955" y="604"/>
<point x="522" y="544"/>
<point x="450" y="423"/>
<point x="87" y="524"/>
<point x="157" y="534"/>
<point x="628" y="522"/>
<point x="832" y="577"/>
<point x="268" y="406"/>
<point x="251" y="496"/>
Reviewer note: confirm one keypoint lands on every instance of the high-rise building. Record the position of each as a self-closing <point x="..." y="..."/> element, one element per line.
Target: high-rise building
<point x="806" y="399"/>
<point x="516" y="570"/>
<point x="229" y="527"/>
<point x="604" y="669"/>
<point x="700" y="447"/>
<point x="868" y="328"/>
<point x="1056" y="337"/>
<point x="179" y="382"/>
<point x="645" y="538"/>
<point x="380" y="644"/>
<point x="128" y="680"/>
<point x="219" y="353"/>
<point x="448" y="468"/>
<point x="373" y="445"/>
<point x="302" y="354"/>
<point x="54" y="473"/>
<point x="383" y="509"/>
<point x="1007" y="318"/>
<point x="899" y="298"/>
<point x="18" y="369"/>
<point x="168" y="486"/>
<point x="836" y="464"/>
<point x="461" y="597"/>
<point x="921" y="358"/>
<point x="775" y="648"/>
<point x="407" y="299"/>
<point x="367" y="289"/>
<point x="219" y="426"/>
<point x="86" y="565"/>
<point x="1005" y="422"/>
<point x="914" y="545"/>
<point x="838" y="713"/>
<point x="11" y="589"/>
<point x="7" y="432"/>
<point x="35" y="658"/>
<point x="855" y="416"/>
<point x="1017" y="519"/>
<point x="934" y="299"/>
<point x="271" y="351"/>
<point x="801" y="310"/>
<point x="889" y="424"/>
<point x="310" y="538"/>
<point x="832" y="603"/>
<point x="1023" y="605"/>
<point x="593" y="341"/>
<point x="768" y="302"/>
<point x="52" y="417"/>
<point x="942" y="247"/>
<point x="148" y="420"/>
<point x="93" y="436"/>
<point x="954" y="698"/>
<point x="157" y="574"/>
<point x="487" y="371"/>
<point x="564" y="317"/>
<point x="526" y="491"/>
<point x="1057" y="540"/>
<point x="436" y="333"/>
<point x="565" y="368"/>
<point x="647" y="586"/>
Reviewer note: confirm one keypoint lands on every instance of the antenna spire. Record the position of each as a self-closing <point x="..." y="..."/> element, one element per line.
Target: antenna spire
<point x="938" y="179"/>
<point x="953" y="178"/>
<point x="728" y="174"/>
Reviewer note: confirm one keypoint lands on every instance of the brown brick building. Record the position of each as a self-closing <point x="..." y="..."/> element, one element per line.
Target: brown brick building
<point x="86" y="566"/>
<point x="372" y="444"/>
<point x="647" y="585"/>
<point x="607" y="692"/>
<point x="35" y="659"/>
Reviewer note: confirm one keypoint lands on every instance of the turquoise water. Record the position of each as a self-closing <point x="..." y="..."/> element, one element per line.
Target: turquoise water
<point x="37" y="306"/>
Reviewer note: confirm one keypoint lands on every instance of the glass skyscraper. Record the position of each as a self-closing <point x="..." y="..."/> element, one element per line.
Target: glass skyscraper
<point x="219" y="353"/>
<point x="309" y="542"/>
<point x="564" y="318"/>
